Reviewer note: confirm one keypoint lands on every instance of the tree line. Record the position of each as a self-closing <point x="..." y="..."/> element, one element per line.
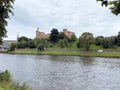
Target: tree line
<point x="60" y="40"/>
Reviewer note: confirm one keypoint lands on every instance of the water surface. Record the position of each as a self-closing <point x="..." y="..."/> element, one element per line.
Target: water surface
<point x="45" y="72"/>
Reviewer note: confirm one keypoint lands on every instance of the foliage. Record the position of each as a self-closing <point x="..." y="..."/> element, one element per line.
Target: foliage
<point x="41" y="47"/>
<point x="78" y="44"/>
<point x="99" y="40"/>
<point x="73" y="38"/>
<point x="23" y="38"/>
<point x="63" y="43"/>
<point x="37" y="41"/>
<point x="12" y="47"/>
<point x="86" y="39"/>
<point x="54" y="37"/>
<point x="41" y="41"/>
<point x="84" y="42"/>
<point x="5" y="10"/>
<point x="22" y="44"/>
<point x="5" y="76"/>
<point x="7" y="84"/>
<point x="114" y="5"/>
<point x="118" y="39"/>
<point x="31" y="44"/>
<point x="107" y="43"/>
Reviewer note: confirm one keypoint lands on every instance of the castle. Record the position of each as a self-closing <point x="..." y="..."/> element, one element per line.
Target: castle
<point x="39" y="34"/>
<point x="69" y="34"/>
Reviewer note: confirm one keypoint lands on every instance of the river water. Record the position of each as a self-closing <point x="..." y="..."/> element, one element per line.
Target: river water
<point x="46" y="72"/>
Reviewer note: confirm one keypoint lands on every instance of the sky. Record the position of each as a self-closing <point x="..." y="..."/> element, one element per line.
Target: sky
<point x="75" y="15"/>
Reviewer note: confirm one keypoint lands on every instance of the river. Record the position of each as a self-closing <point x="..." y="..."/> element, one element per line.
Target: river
<point x="46" y="72"/>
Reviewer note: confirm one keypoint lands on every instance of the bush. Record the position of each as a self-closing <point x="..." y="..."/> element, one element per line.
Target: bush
<point x="5" y="76"/>
<point x="22" y="44"/>
<point x="7" y="84"/>
<point x="61" y="44"/>
<point x="12" y="47"/>
<point x="41" y="47"/>
<point x="32" y="44"/>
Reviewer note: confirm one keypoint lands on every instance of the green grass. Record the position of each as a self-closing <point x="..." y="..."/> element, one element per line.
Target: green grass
<point x="12" y="86"/>
<point x="1" y="88"/>
<point x="71" y="52"/>
<point x="6" y="82"/>
<point x="94" y="47"/>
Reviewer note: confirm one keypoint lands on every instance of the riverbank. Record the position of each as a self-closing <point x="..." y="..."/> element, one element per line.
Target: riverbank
<point x="6" y="82"/>
<point x="72" y="52"/>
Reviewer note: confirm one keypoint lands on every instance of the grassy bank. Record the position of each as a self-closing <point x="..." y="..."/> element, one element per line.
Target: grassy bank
<point x="71" y="52"/>
<point x="6" y="82"/>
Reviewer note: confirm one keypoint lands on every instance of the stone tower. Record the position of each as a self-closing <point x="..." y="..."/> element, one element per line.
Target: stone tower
<point x="37" y="32"/>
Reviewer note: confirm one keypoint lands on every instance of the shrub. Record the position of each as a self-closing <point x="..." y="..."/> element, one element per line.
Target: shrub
<point x="5" y="76"/>
<point x="7" y="84"/>
<point x="32" y="44"/>
<point x="12" y="47"/>
<point x="41" y="47"/>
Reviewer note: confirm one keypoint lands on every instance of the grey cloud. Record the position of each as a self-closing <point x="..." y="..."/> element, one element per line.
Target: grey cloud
<point x="77" y="15"/>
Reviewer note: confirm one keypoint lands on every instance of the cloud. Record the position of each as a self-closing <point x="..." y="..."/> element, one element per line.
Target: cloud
<point x="76" y="15"/>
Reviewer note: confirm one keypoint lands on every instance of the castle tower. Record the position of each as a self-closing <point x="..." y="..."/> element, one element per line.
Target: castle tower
<point x="17" y="36"/>
<point x="37" y="32"/>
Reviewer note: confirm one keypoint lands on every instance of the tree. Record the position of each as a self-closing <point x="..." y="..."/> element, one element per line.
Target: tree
<point x="5" y="8"/>
<point x="22" y="44"/>
<point x="114" y="5"/>
<point x="118" y="39"/>
<point x="31" y="44"/>
<point x="72" y="39"/>
<point x="12" y="47"/>
<point x="99" y="40"/>
<point x="107" y="42"/>
<point x="41" y="47"/>
<point x="54" y="37"/>
<point x="86" y="39"/>
<point x="63" y="43"/>
<point x="23" y="38"/>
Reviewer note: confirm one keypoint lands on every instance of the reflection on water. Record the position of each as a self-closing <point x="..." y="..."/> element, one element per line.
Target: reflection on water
<point x="63" y="72"/>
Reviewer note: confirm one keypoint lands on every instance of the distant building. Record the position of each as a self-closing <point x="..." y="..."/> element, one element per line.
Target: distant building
<point x="69" y="34"/>
<point x="7" y="43"/>
<point x="41" y="34"/>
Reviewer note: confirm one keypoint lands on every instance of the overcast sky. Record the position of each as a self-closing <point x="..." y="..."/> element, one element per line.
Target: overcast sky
<point x="75" y="15"/>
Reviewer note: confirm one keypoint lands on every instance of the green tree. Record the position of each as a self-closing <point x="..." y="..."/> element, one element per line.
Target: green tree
<point x="99" y="40"/>
<point x="41" y="41"/>
<point x="31" y="44"/>
<point x="107" y="42"/>
<point x="12" y="47"/>
<point x="54" y="37"/>
<point x="86" y="39"/>
<point x="37" y="41"/>
<point x="114" y="5"/>
<point x="72" y="39"/>
<point x="41" y="47"/>
<point x="61" y="43"/>
<point x="5" y="11"/>
<point x="78" y="44"/>
<point x="23" y="38"/>
<point x="22" y="44"/>
<point x="118" y="39"/>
